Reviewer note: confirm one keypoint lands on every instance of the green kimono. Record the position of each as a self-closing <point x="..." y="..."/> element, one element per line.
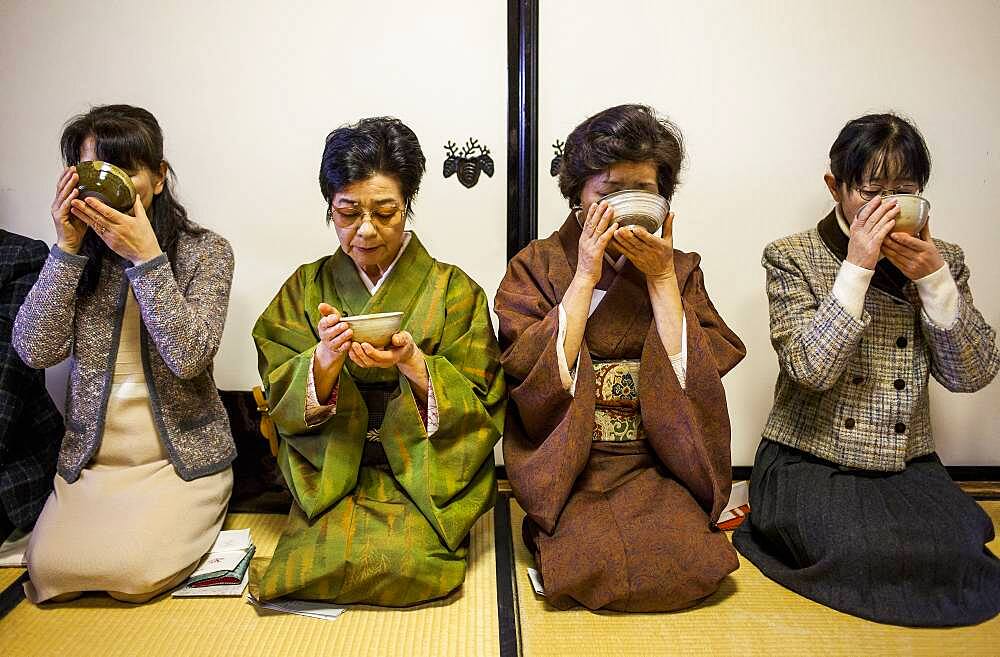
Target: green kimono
<point x="393" y="533"/>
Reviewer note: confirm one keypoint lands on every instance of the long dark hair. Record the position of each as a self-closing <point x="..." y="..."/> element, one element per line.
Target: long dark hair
<point x="131" y="138"/>
<point x="631" y="133"/>
<point x="880" y="146"/>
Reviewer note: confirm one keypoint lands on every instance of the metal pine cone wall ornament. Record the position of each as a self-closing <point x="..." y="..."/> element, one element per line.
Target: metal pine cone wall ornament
<point x="557" y="160"/>
<point x="473" y="159"/>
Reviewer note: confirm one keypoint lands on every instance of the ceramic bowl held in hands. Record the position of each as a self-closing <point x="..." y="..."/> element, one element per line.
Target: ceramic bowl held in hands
<point x="639" y="208"/>
<point x="913" y="212"/>
<point x="377" y="329"/>
<point x="107" y="183"/>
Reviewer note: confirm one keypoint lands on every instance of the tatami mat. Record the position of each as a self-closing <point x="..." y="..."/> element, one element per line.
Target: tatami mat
<point x="749" y="616"/>
<point x="8" y="576"/>
<point x="463" y="625"/>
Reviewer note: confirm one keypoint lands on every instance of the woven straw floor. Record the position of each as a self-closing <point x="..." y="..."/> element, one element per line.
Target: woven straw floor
<point x="463" y="625"/>
<point x="8" y="577"/>
<point x="749" y="616"/>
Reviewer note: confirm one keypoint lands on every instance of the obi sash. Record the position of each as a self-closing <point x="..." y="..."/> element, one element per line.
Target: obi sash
<point x="377" y="397"/>
<point x="616" y="392"/>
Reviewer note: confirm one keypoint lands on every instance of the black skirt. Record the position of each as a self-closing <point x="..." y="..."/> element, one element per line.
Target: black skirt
<point x="906" y="548"/>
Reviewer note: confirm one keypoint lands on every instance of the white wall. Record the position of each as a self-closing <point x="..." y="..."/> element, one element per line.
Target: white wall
<point x="760" y="91"/>
<point x="246" y="93"/>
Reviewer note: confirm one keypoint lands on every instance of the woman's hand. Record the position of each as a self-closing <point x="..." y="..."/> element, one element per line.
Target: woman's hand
<point x="69" y="229"/>
<point x="652" y="255"/>
<point x="334" y="336"/>
<point x="915" y="257"/>
<point x="131" y="237"/>
<point x="598" y="230"/>
<point x="868" y="231"/>
<point x="401" y="352"/>
<point x="331" y="352"/>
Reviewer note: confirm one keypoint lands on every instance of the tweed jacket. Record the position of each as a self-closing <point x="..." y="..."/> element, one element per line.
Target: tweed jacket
<point x="851" y="391"/>
<point x="182" y="320"/>
<point x="30" y="426"/>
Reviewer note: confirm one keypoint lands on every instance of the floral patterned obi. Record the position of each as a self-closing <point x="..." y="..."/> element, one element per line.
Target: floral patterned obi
<point x="616" y="413"/>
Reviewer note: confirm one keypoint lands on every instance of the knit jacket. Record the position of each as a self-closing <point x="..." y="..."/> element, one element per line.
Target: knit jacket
<point x="182" y="320"/>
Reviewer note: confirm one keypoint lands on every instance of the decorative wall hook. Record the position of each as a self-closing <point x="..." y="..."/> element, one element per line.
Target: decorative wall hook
<point x="473" y="159"/>
<point x="557" y="160"/>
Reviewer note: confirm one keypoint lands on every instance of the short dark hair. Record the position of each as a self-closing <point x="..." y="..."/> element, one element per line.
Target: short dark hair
<point x="374" y="145"/>
<point x="879" y="146"/>
<point x="631" y="133"/>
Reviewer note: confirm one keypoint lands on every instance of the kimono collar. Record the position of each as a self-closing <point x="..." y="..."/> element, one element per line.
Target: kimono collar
<point x="410" y="269"/>
<point x="373" y="287"/>
<point x="625" y="310"/>
<point x="569" y="237"/>
<point x="887" y="277"/>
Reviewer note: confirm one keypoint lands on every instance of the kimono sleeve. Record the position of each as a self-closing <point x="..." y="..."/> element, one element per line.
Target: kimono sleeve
<point x="529" y="329"/>
<point x="689" y="427"/>
<point x="548" y="437"/>
<point x="450" y="475"/>
<point x="319" y="463"/>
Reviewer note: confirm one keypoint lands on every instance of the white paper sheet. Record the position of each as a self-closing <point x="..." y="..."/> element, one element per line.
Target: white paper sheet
<point x="320" y="610"/>
<point x="231" y="540"/>
<point x="12" y="550"/>
<point x="536" y="581"/>
<point x="739" y="497"/>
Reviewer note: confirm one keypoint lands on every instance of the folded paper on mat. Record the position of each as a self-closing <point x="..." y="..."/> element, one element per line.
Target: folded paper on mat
<point x="320" y="610"/>
<point x="737" y="508"/>
<point x="12" y="550"/>
<point x="231" y="540"/>
<point x="536" y="581"/>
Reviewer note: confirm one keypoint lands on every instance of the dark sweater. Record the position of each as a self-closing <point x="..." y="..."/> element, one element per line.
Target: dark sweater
<point x="30" y="426"/>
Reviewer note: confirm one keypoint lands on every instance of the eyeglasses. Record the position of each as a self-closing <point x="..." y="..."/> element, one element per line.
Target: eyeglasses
<point x="352" y="216"/>
<point x="868" y="193"/>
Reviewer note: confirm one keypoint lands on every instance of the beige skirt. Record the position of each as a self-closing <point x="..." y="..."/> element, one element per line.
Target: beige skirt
<point x="129" y="524"/>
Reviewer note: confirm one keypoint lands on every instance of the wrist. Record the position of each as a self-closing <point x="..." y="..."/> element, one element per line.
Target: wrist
<point x="67" y="248"/>
<point x="936" y="264"/>
<point x="583" y="281"/>
<point x="414" y="366"/>
<point x="668" y="276"/>
<point x="863" y="263"/>
<point x="326" y="358"/>
<point x="146" y="256"/>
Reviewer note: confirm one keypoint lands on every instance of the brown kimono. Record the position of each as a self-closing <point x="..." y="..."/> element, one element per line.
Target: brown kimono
<point x="617" y="525"/>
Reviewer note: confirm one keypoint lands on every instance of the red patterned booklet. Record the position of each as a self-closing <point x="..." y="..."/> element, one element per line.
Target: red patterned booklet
<point x="225" y="570"/>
